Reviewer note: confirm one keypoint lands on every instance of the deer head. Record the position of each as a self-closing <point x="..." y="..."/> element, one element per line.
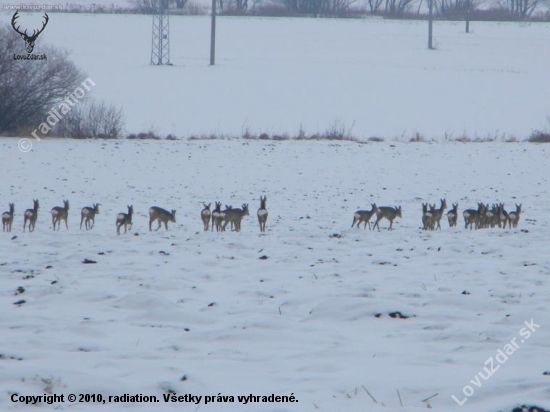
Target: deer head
<point x="29" y="40"/>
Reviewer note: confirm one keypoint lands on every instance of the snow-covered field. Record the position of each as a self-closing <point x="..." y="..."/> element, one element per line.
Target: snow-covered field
<point x="304" y="308"/>
<point x="200" y="313"/>
<point x="374" y="77"/>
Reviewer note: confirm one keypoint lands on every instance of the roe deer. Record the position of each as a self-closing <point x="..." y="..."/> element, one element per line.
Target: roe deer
<point x="438" y="213"/>
<point x="205" y="216"/>
<point x="235" y="216"/>
<point x="60" y="213"/>
<point x="427" y="216"/>
<point x="513" y="217"/>
<point x="7" y="219"/>
<point x="87" y="214"/>
<point x="124" y="219"/>
<point x="472" y="217"/>
<point x="504" y="217"/>
<point x="452" y="215"/>
<point x="162" y="215"/>
<point x="217" y="217"/>
<point x="31" y="215"/>
<point x="364" y="216"/>
<point x="262" y="213"/>
<point x="387" y="212"/>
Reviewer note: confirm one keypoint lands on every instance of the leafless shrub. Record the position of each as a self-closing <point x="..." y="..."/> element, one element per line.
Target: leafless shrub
<point x="539" y="137"/>
<point x="90" y="119"/>
<point x="28" y="91"/>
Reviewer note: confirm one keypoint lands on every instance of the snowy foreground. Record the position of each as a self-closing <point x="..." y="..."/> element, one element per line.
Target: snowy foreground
<point x="202" y="313"/>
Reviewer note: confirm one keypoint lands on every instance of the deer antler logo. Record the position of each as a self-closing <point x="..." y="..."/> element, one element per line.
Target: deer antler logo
<point x="29" y="40"/>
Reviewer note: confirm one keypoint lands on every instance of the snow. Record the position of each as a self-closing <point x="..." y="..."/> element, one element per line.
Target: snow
<point x="163" y="306"/>
<point x="292" y="310"/>
<point x="371" y="77"/>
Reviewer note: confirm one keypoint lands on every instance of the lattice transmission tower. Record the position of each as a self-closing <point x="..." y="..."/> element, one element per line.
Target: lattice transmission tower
<point x="160" y="45"/>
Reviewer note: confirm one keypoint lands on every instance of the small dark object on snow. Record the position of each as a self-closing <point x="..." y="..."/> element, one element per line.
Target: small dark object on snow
<point x="335" y="235"/>
<point x="49" y="267"/>
<point x="183" y="378"/>
<point x="397" y="315"/>
<point x="264" y="257"/>
<point x="14" y="237"/>
<point x="465" y="292"/>
<point x="88" y="261"/>
<point x="162" y="252"/>
<point x="377" y="315"/>
<point x="19" y="290"/>
<point x="211" y="304"/>
<point x="19" y="302"/>
<point x="524" y="408"/>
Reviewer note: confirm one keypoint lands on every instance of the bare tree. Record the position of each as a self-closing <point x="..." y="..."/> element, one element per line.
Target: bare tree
<point x="152" y="6"/>
<point x="454" y="7"/>
<point x="397" y="7"/>
<point x="29" y="88"/>
<point x="520" y="8"/>
<point x="374" y="5"/>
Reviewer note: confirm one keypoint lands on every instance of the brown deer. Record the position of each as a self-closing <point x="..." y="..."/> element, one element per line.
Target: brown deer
<point x="472" y="217"/>
<point x="7" y="219"/>
<point x="124" y="219"/>
<point x="206" y="214"/>
<point x="387" y="212"/>
<point x="60" y="213"/>
<point x="427" y="216"/>
<point x="364" y="216"/>
<point x="31" y="215"/>
<point x="29" y="40"/>
<point x="217" y="217"/>
<point x="513" y="217"/>
<point x="87" y="215"/>
<point x="437" y="214"/>
<point x="235" y="216"/>
<point x="162" y="215"/>
<point x="452" y="215"/>
<point x="262" y="213"/>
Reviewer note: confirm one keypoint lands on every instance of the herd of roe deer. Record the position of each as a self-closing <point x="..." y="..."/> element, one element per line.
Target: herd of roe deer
<point x="482" y="217"/>
<point x="220" y="218"/>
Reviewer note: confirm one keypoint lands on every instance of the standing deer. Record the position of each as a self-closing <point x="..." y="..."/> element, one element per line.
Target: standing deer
<point x="387" y="212"/>
<point x="124" y="219"/>
<point x="31" y="215"/>
<point x="217" y="217"/>
<point x="452" y="215"/>
<point x="513" y="217"/>
<point x="262" y="213"/>
<point x="427" y="216"/>
<point x="7" y="219"/>
<point x="438" y="213"/>
<point x="235" y="216"/>
<point x="162" y="215"/>
<point x="472" y="217"/>
<point x="60" y="213"/>
<point x="87" y="214"/>
<point x="364" y="216"/>
<point x="206" y="215"/>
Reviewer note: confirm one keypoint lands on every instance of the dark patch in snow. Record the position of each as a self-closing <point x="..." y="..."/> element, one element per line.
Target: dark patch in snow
<point x="19" y="302"/>
<point x="397" y="315"/>
<point x="88" y="261"/>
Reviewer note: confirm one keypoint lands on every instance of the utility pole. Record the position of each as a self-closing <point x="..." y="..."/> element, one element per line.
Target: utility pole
<point x="430" y="26"/>
<point x="213" y="35"/>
